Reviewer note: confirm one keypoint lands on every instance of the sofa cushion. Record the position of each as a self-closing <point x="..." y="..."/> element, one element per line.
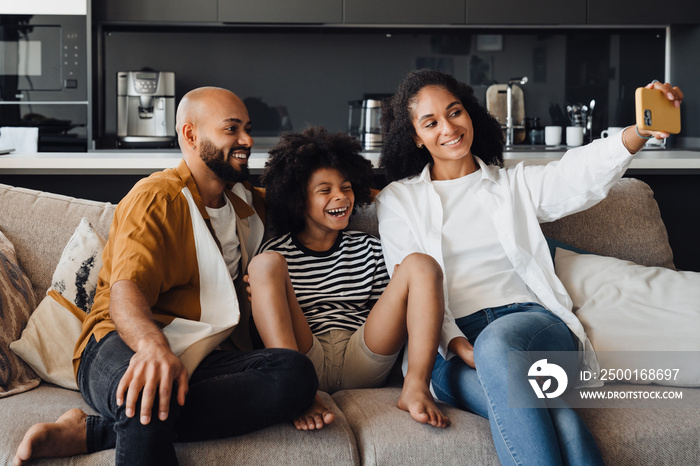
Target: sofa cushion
<point x="624" y="434"/>
<point x="39" y="224"/>
<point x="628" y="435"/>
<point x="280" y="444"/>
<point x="388" y="436"/>
<point x="49" y="339"/>
<point x="627" y="308"/>
<point x="16" y="304"/>
<point x="277" y="444"/>
<point x="43" y="404"/>
<point x="627" y="225"/>
<point x="364" y="218"/>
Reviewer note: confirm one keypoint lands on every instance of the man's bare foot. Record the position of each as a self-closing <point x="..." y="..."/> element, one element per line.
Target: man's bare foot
<point x="417" y="400"/>
<point x="65" y="437"/>
<point x="317" y="416"/>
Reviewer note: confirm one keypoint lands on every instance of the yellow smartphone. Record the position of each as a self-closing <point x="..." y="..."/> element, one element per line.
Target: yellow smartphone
<point x="654" y="112"/>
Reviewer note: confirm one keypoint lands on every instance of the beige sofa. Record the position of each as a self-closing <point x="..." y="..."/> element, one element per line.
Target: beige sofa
<point x="370" y="429"/>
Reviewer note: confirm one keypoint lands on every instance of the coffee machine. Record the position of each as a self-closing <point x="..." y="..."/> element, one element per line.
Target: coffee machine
<point x="145" y="109"/>
<point x="364" y="120"/>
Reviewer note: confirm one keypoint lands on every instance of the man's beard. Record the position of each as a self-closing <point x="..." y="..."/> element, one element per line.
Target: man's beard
<point x="217" y="162"/>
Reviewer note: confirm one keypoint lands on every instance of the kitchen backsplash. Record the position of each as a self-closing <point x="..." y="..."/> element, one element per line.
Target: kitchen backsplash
<point x="293" y="77"/>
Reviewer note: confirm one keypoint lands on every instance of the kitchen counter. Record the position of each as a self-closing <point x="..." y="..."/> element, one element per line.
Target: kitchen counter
<point x="647" y="161"/>
<point x="133" y="162"/>
<point x="673" y="174"/>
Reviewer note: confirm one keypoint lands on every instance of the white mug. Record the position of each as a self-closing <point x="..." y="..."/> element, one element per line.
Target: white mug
<point x="574" y="136"/>
<point x="610" y="131"/>
<point x="653" y="142"/>
<point x="552" y="135"/>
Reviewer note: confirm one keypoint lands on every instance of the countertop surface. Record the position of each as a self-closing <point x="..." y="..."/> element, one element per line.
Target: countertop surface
<point x="130" y="162"/>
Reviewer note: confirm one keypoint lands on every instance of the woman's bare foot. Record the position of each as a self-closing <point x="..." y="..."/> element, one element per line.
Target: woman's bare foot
<point x="65" y="437"/>
<point x="317" y="416"/>
<point x="417" y="400"/>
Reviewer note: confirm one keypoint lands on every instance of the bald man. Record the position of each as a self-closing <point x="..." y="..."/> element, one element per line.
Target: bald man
<point x="170" y="293"/>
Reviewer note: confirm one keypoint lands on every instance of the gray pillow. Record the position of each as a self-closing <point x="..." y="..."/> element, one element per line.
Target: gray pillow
<point x="626" y="225"/>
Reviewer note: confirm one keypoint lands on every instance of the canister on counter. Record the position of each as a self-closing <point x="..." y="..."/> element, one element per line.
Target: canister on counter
<point x="536" y="132"/>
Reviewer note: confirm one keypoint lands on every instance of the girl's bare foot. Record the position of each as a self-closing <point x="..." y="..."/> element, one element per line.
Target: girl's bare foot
<point x="417" y="400"/>
<point x="65" y="437"/>
<point x="317" y="416"/>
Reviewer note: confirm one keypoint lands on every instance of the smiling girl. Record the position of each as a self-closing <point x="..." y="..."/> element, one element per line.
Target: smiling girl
<point x="325" y="291"/>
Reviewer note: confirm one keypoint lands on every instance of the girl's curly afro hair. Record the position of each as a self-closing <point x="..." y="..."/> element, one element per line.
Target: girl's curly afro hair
<point x="290" y="166"/>
<point x="400" y="157"/>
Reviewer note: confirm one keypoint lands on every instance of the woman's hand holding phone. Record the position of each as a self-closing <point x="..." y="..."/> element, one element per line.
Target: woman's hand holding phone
<point x="658" y="110"/>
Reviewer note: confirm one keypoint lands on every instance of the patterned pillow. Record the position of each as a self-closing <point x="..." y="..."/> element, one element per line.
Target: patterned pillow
<point x="49" y="338"/>
<point x="75" y="277"/>
<point x="17" y="302"/>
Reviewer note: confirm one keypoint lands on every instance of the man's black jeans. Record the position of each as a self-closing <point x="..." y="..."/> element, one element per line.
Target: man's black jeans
<point x="230" y="393"/>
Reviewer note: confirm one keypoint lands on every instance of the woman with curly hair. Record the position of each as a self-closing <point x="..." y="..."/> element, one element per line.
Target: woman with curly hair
<point x="325" y="292"/>
<point x="451" y="198"/>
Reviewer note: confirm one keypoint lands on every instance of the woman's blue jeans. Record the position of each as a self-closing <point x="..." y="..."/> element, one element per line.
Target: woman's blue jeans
<point x="550" y="434"/>
<point x="230" y="393"/>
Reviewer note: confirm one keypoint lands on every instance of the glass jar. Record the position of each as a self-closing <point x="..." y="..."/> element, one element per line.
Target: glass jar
<point x="536" y="133"/>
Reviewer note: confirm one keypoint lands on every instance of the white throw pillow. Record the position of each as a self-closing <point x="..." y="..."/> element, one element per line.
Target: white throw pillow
<point x="48" y="341"/>
<point x="652" y="311"/>
<point x="75" y="277"/>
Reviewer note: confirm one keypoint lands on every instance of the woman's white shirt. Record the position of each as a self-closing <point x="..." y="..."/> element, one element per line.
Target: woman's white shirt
<point x="478" y="273"/>
<point x="518" y="199"/>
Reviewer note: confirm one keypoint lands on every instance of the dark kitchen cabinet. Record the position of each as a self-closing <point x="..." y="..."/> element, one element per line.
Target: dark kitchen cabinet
<point x="155" y="11"/>
<point x="404" y="11"/>
<point x="281" y="11"/>
<point x="643" y="12"/>
<point x="526" y="12"/>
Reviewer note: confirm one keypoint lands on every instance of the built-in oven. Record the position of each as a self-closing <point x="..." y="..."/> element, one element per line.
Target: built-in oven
<point x="45" y="69"/>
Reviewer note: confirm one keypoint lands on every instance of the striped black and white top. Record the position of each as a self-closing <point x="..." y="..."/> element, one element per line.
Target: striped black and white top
<point x="337" y="288"/>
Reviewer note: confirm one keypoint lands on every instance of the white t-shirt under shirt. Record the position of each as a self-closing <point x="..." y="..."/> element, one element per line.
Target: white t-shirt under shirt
<point x="223" y="220"/>
<point x="477" y="270"/>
